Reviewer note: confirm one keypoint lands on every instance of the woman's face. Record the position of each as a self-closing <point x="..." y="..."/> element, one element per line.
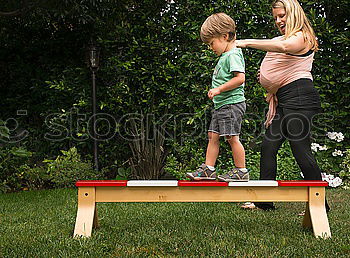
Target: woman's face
<point x="279" y="14"/>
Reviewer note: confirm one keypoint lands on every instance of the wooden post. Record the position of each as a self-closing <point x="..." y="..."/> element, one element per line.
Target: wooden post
<point x="318" y="212"/>
<point x="307" y="219"/>
<point x="87" y="213"/>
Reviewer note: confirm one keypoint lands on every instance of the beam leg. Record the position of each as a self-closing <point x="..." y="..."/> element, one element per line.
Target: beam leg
<point x="307" y="219"/>
<point x="95" y="223"/>
<point x="86" y="214"/>
<point x="318" y="214"/>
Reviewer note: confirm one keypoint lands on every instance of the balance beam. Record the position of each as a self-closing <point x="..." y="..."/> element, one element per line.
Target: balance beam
<point x="92" y="192"/>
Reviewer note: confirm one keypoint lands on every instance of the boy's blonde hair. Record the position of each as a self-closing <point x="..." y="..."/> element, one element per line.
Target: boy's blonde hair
<point x="217" y="25"/>
<point x="296" y="21"/>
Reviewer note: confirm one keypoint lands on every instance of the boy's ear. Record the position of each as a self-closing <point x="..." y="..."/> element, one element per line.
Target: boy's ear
<point x="231" y="36"/>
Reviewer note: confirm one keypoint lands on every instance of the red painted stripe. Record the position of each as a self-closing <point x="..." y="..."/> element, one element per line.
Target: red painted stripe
<point x="201" y="183"/>
<point x="302" y="183"/>
<point x="101" y="183"/>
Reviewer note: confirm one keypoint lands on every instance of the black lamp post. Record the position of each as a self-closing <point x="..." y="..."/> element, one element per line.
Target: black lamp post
<point x="94" y="60"/>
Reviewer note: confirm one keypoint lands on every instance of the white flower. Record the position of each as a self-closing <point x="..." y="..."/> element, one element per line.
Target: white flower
<point x="337" y="153"/>
<point x="331" y="180"/>
<point x="326" y="177"/>
<point x="314" y="146"/>
<point x="324" y="147"/>
<point x="335" y="182"/>
<point x="331" y="135"/>
<point x="336" y="136"/>
<point x="340" y="137"/>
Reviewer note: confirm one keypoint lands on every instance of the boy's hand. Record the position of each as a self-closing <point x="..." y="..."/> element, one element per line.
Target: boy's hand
<point x="213" y="92"/>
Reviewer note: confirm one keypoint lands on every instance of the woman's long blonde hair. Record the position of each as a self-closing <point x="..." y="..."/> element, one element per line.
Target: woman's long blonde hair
<point x="297" y="21"/>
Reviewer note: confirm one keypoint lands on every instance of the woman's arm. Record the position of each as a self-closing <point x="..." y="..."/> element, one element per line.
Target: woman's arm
<point x="293" y="45"/>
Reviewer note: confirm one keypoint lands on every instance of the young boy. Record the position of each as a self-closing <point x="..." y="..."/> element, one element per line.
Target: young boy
<point x="227" y="93"/>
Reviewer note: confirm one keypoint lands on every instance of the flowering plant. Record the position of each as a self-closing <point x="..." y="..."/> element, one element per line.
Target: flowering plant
<point x="332" y="180"/>
<point x="345" y="166"/>
<point x="330" y="158"/>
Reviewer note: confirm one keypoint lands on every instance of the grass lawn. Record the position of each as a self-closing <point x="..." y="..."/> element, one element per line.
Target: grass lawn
<point x="41" y="223"/>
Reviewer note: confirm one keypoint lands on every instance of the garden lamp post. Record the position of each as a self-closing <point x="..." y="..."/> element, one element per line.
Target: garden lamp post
<point x="94" y="59"/>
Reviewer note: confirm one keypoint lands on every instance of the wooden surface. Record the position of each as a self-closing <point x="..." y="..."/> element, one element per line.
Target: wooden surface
<point x="91" y="192"/>
<point x="201" y="194"/>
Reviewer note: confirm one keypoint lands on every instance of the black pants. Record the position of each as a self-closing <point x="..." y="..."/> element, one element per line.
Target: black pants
<point x="294" y="126"/>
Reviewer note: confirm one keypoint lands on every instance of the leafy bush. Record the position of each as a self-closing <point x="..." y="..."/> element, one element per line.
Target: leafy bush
<point x="287" y="167"/>
<point x="68" y="168"/>
<point x="10" y="161"/>
<point x="63" y="171"/>
<point x="184" y="158"/>
<point x="33" y="178"/>
<point x="151" y="55"/>
<point x="253" y="164"/>
<point x="4" y="131"/>
<point x="329" y="153"/>
<point x="345" y="172"/>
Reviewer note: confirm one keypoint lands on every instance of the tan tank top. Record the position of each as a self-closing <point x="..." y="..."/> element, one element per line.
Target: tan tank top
<point x="279" y="69"/>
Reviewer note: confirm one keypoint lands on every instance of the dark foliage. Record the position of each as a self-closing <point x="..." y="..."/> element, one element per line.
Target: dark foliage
<point x="153" y="62"/>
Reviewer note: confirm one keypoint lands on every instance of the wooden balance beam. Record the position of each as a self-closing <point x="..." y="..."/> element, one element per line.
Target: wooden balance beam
<point x="92" y="192"/>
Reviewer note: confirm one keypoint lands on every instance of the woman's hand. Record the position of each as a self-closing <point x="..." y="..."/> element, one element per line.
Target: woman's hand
<point x="213" y="92"/>
<point x="258" y="75"/>
<point x="241" y="44"/>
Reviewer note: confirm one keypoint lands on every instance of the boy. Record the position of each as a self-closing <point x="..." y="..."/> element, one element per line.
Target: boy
<point x="227" y="93"/>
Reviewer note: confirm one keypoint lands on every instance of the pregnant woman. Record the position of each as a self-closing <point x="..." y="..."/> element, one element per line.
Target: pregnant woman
<point x="293" y="100"/>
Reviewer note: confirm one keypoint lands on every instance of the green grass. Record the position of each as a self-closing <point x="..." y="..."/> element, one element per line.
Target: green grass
<point x="41" y="223"/>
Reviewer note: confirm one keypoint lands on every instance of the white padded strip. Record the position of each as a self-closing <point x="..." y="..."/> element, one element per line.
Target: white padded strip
<point x="152" y="183"/>
<point x="255" y="183"/>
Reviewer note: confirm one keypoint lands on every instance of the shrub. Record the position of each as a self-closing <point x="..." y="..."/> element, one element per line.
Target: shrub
<point x="184" y="158"/>
<point x="64" y="171"/>
<point x="345" y="172"/>
<point x="10" y="161"/>
<point x="32" y="178"/>
<point x="152" y="56"/>
<point x="287" y="167"/>
<point x="330" y="152"/>
<point x="68" y="168"/>
<point x="148" y="156"/>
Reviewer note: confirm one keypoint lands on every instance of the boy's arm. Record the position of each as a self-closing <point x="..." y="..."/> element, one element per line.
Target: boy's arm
<point x="235" y="82"/>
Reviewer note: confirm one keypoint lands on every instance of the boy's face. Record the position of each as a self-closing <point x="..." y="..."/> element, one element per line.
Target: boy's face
<point x="219" y="44"/>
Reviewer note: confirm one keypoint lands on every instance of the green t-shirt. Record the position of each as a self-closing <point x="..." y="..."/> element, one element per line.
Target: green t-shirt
<point x="229" y="62"/>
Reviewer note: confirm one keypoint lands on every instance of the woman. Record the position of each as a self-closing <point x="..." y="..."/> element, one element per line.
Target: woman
<point x="286" y="75"/>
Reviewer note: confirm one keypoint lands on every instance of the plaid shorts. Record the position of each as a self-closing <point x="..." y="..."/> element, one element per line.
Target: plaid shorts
<point x="227" y="120"/>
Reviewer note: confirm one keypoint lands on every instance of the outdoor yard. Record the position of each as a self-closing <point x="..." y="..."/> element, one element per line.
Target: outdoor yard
<point x="143" y="90"/>
<point x="41" y="223"/>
